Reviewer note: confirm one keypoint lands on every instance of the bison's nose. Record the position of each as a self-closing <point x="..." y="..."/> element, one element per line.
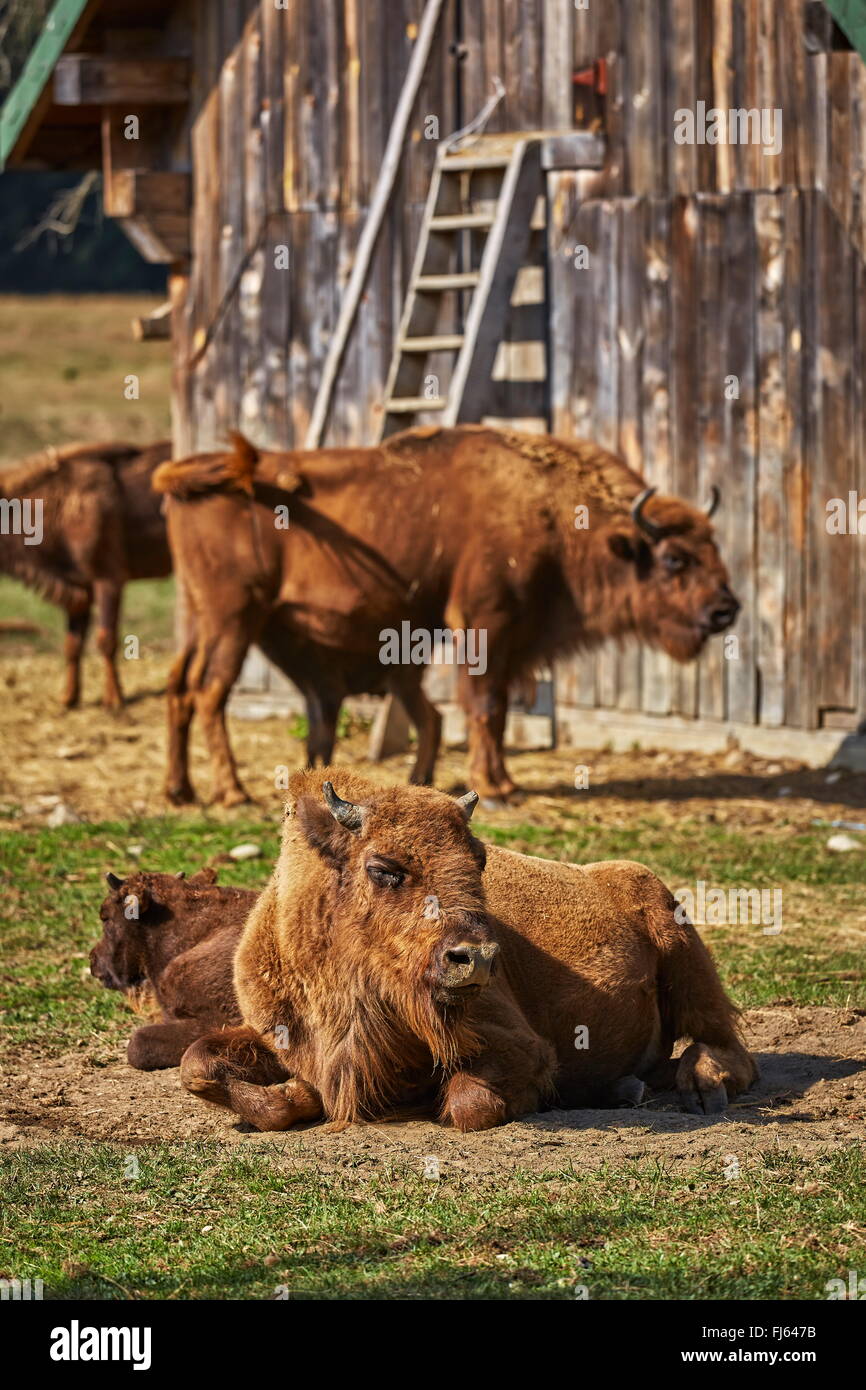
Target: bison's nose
<point x="468" y="963"/>
<point x="98" y="970"/>
<point x="722" y="612"/>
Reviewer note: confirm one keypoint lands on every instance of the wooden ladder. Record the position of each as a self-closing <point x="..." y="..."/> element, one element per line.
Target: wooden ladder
<point x="473" y="239"/>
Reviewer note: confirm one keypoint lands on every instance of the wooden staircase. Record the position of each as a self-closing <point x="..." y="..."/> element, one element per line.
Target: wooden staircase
<point x="473" y="239"/>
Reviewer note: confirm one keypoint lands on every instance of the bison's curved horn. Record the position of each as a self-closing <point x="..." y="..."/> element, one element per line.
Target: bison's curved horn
<point x="113" y="881"/>
<point x="468" y="803"/>
<point x="346" y="812"/>
<point x="715" y="498"/>
<point x="649" y="528"/>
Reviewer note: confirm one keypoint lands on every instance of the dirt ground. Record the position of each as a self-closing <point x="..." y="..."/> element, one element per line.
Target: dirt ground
<point x="104" y="766"/>
<point x="811" y="1097"/>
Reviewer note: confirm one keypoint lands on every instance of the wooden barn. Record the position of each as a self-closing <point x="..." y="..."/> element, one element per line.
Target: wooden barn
<point x="586" y="258"/>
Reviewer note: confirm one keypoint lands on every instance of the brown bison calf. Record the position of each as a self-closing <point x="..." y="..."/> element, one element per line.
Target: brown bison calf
<point x="102" y="525"/>
<point x="385" y="969"/>
<point x="177" y="937"/>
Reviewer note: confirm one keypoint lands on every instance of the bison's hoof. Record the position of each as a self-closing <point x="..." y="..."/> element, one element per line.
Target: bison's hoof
<point x="497" y="797"/>
<point x="705" y="1102"/>
<point x="182" y="795"/>
<point x="629" y="1090"/>
<point x="701" y="1081"/>
<point x="234" y="796"/>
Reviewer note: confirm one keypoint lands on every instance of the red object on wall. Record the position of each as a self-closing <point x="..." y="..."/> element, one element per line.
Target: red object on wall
<point x="595" y="77"/>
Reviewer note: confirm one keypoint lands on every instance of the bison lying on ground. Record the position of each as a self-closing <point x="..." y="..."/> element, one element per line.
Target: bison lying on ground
<point x="382" y="971"/>
<point x="543" y="545"/>
<point x="177" y="936"/>
<point x="101" y="526"/>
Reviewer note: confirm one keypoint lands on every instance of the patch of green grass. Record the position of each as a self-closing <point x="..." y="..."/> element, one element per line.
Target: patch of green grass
<point x="347" y="724"/>
<point x="52" y="885"/>
<point x="198" y="1222"/>
<point x="148" y="612"/>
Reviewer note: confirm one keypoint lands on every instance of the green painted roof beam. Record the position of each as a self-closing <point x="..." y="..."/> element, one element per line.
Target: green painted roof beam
<point x="37" y="72"/>
<point x="850" y="15"/>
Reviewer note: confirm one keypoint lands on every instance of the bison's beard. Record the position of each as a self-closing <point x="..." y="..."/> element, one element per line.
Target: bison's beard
<point x="681" y="641"/>
<point x="393" y="1040"/>
<point x="141" y="998"/>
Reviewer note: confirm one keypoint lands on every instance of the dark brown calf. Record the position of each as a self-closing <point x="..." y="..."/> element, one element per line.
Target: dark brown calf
<point x="179" y="936"/>
<point x="102" y="525"/>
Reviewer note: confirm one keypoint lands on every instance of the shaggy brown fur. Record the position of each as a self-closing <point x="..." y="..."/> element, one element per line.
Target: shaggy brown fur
<point x="102" y="526"/>
<point x="469" y="527"/>
<point x="172" y="940"/>
<point x="365" y="977"/>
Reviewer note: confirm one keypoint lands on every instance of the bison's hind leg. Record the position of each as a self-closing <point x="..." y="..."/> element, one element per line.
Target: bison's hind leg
<point x="628" y="1090"/>
<point x="234" y="1067"/>
<point x="180" y="706"/>
<point x="715" y="1066"/>
<point x="708" y="1076"/>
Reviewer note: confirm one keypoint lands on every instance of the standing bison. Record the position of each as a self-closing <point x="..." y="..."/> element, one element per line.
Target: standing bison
<point x="102" y="525"/>
<point x="543" y="546"/>
<point x="385" y="969"/>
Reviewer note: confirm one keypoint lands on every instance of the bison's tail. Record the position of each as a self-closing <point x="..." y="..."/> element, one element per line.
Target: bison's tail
<point x="204" y="473"/>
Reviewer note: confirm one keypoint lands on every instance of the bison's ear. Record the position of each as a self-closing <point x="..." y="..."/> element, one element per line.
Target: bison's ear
<point x="634" y="550"/>
<point x="623" y="545"/>
<point x="205" y="875"/>
<point x="113" y="882"/>
<point x="142" y="899"/>
<point x="325" y="834"/>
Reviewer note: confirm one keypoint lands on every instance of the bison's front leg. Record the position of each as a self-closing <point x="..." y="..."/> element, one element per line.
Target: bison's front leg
<point x="472" y="1103"/>
<point x="513" y="1076"/>
<point x="159" y="1045"/>
<point x="108" y="595"/>
<point x="77" y="627"/>
<point x="235" y="1067"/>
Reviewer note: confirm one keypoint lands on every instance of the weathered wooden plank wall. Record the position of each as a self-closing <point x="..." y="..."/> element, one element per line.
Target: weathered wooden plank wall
<point x="650" y="371"/>
<point x="286" y="147"/>
<point x="708" y="262"/>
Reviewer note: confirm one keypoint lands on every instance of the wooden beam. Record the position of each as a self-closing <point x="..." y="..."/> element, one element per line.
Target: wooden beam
<point x="151" y="206"/>
<point x="149" y="327"/>
<point x="25" y="106"/>
<point x="574" y="149"/>
<point x="162" y="240"/>
<point x="372" y="226"/>
<point x="144" y="192"/>
<point x="98" y="79"/>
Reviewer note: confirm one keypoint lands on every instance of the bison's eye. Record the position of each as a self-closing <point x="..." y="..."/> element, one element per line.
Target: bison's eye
<point x="673" y="561"/>
<point x="385" y="875"/>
